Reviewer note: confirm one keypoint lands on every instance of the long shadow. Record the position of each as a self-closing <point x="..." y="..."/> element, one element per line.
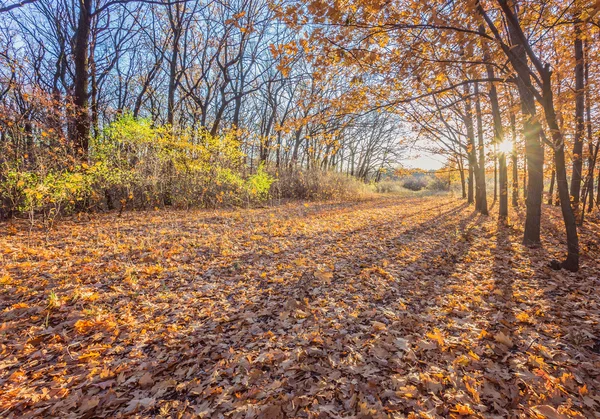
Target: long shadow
<point x="501" y="320"/>
<point x="240" y="335"/>
<point x="377" y="289"/>
<point x="571" y="297"/>
<point x="334" y="239"/>
<point x="543" y="312"/>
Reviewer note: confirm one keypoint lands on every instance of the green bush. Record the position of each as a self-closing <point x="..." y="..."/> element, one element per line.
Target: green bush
<point x="47" y="192"/>
<point x="155" y="166"/>
<point x="135" y="165"/>
<point x="258" y="185"/>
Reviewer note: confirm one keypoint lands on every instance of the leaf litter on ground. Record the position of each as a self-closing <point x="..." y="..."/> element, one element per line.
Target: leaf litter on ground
<point x="392" y="307"/>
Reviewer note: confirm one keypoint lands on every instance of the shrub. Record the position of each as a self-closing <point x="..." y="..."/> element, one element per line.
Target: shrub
<point x="259" y="184"/>
<point x="150" y="166"/>
<point x="414" y="183"/>
<point x="317" y="184"/>
<point x="437" y="183"/>
<point x="45" y="191"/>
<point x="134" y="164"/>
<point x="388" y="186"/>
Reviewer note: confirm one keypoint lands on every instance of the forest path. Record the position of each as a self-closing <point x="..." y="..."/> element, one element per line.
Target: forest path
<point x="377" y="308"/>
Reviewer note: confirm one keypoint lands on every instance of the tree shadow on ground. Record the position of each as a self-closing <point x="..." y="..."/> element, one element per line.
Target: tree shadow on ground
<point x="399" y="294"/>
<point x="341" y="320"/>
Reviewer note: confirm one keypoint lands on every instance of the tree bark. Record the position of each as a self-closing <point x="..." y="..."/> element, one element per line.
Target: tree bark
<point x="514" y="160"/>
<point x="551" y="190"/>
<point x="579" y="118"/>
<point x="81" y="120"/>
<point x="588" y="111"/>
<point x="571" y="263"/>
<point x="533" y="170"/>
<point x="518" y="57"/>
<point x="481" y="203"/>
<point x="503" y="210"/>
<point x="175" y="20"/>
<point x="498" y="139"/>
<point x="461" y="170"/>
<point x="598" y="189"/>
<point x="470" y="198"/>
<point x="496" y="171"/>
<point x="472" y="149"/>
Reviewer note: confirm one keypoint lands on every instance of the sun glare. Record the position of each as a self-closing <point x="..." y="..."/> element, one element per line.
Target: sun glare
<point x="505" y="147"/>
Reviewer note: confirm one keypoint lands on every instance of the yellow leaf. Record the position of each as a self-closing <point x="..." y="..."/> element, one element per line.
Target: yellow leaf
<point x="462" y="360"/>
<point x="436" y="335"/>
<point x="523" y="317"/>
<point x="300" y="262"/>
<point x="89" y="355"/>
<point x="323" y="275"/>
<point x="464" y="409"/>
<point x="378" y="326"/>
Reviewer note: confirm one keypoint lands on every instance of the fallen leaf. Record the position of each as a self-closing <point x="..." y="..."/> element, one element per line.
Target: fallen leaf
<point x="146" y="380"/>
<point x="548" y="412"/>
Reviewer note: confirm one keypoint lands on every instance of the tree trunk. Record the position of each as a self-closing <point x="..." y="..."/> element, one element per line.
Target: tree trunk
<point x="175" y="20"/>
<point x="588" y="112"/>
<point x="81" y="118"/>
<point x="470" y="199"/>
<point x="496" y="171"/>
<point x="514" y="160"/>
<point x="525" y="179"/>
<point x="588" y="187"/>
<point x="481" y="203"/>
<point x="461" y="170"/>
<point x="533" y="176"/>
<point x="531" y="132"/>
<point x="598" y="189"/>
<point x="172" y="80"/>
<point x="472" y="149"/>
<point x="503" y="211"/>
<point x="498" y="139"/>
<point x="551" y="191"/>
<point x="571" y="263"/>
<point x="579" y="117"/>
<point x="94" y="96"/>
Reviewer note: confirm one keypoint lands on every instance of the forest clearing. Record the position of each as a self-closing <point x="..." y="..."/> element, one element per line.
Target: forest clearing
<point x="237" y="209"/>
<point x="387" y="307"/>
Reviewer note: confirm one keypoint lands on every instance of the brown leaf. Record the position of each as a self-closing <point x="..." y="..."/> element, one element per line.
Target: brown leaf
<point x="146" y="380"/>
<point x="548" y="412"/>
<point x="137" y="405"/>
<point x="503" y="339"/>
<point x="378" y="326"/>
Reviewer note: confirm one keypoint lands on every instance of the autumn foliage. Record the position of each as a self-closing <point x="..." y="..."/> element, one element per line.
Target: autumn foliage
<point x="209" y="209"/>
<point x="385" y="308"/>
